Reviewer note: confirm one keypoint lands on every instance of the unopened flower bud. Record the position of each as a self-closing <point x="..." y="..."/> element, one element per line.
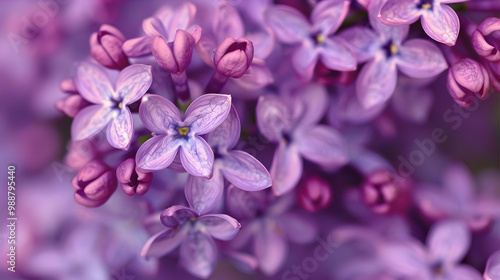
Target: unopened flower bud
<point x="384" y="193"/>
<point x="71" y="105"/>
<point x="467" y="78"/>
<point x="131" y="180"/>
<point x="314" y="194"/>
<point x="486" y="39"/>
<point x="174" y="56"/>
<point x="106" y="47"/>
<point x="233" y="57"/>
<point x="68" y="86"/>
<point x="94" y="184"/>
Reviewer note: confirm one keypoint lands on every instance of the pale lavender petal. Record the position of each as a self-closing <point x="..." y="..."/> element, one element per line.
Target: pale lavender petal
<point x="176" y="215"/>
<point x="434" y="204"/>
<point x="204" y="194"/>
<point x="441" y="24"/>
<point x="93" y="83"/>
<point x="273" y="117"/>
<point x="464" y="272"/>
<point x="386" y="33"/>
<point x="163" y="243"/>
<point x="298" y="228"/>
<point x="459" y="183"/>
<point x="198" y="254"/>
<point x="270" y="248"/>
<point x="288" y="24"/>
<point x="263" y="43"/>
<point x="304" y="59"/>
<point x="243" y="261"/>
<point x="207" y="112"/>
<point x="120" y="130"/>
<point x="91" y="120"/>
<point x="286" y="169"/>
<point x="226" y="135"/>
<point x="327" y="16"/>
<point x="405" y="258"/>
<point x="197" y="157"/>
<point x="153" y="27"/>
<point x="244" y="171"/>
<point x="337" y="55"/>
<point x="138" y="46"/>
<point x="227" y="22"/>
<point x="363" y="41"/>
<point x="419" y="58"/>
<point x="220" y="226"/>
<point x="256" y="77"/>
<point x="181" y="18"/>
<point x="399" y="12"/>
<point x="492" y="270"/>
<point x="133" y="82"/>
<point x="311" y="102"/>
<point x="158" y="114"/>
<point x="376" y="82"/>
<point x="449" y="241"/>
<point x="323" y="145"/>
<point x="412" y="103"/>
<point x="157" y="153"/>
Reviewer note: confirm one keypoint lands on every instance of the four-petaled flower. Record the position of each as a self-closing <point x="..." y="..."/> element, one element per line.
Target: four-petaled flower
<point x="171" y="132"/>
<point x="110" y="102"/>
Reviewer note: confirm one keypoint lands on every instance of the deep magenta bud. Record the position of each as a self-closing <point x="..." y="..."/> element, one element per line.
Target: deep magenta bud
<point x="94" y="184"/>
<point x="233" y="57"/>
<point x="385" y="193"/>
<point x="314" y="193"/>
<point x="131" y="180"/>
<point x="106" y="47"/>
<point x="486" y="39"/>
<point x="467" y="78"/>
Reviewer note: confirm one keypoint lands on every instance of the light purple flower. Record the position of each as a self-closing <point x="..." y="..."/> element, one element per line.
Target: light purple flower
<point x="172" y="133"/>
<point x="194" y="234"/>
<point x="110" y="102"/>
<point x="492" y="270"/>
<point x="315" y="38"/>
<point x="386" y="53"/>
<point x="238" y="167"/>
<point x="294" y="127"/>
<point x="438" y="20"/>
<point x="447" y="244"/>
<point x="106" y="47"/>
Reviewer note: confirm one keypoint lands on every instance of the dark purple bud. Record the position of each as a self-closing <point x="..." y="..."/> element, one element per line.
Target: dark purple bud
<point x="314" y="194"/>
<point x="467" y="78"/>
<point x="71" y="105"/>
<point x="175" y="56"/>
<point x="486" y="39"/>
<point x="94" y="184"/>
<point x="384" y="193"/>
<point x="106" y="47"/>
<point x="131" y="180"/>
<point x="233" y="57"/>
<point x="68" y="86"/>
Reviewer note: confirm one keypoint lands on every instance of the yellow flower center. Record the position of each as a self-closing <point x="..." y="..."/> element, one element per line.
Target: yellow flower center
<point x="320" y="38"/>
<point x="192" y="219"/>
<point x="393" y="49"/>
<point x="183" y="130"/>
<point x="120" y="105"/>
<point x="426" y="6"/>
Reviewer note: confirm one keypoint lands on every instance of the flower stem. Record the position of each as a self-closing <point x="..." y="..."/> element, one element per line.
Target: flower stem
<point x="181" y="86"/>
<point x="216" y="83"/>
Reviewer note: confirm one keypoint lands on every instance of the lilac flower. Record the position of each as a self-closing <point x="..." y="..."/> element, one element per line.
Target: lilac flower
<point x="316" y="40"/>
<point x="492" y="270"/>
<point x="295" y="129"/>
<point x="172" y="133"/>
<point x="131" y="180"/>
<point x="314" y="193"/>
<point x="386" y="52"/>
<point x="439" y="21"/>
<point x="485" y="39"/>
<point x="165" y="24"/>
<point x="94" y="184"/>
<point x="456" y="200"/>
<point x="447" y="243"/>
<point x="110" y="102"/>
<point x="238" y="167"/>
<point x="467" y="79"/>
<point x="106" y="47"/>
<point x="194" y="234"/>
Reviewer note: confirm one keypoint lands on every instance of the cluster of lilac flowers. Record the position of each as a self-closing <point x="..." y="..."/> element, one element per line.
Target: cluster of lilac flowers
<point x="253" y="133"/>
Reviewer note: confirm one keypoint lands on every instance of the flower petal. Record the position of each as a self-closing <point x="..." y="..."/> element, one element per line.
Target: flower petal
<point x="93" y="83"/>
<point x="163" y="243"/>
<point x="244" y="171"/>
<point x="220" y="226"/>
<point x="288" y="24"/>
<point x="323" y="145"/>
<point x="407" y="258"/>
<point x="120" y="130"/>
<point x="363" y="41"/>
<point x="270" y="248"/>
<point x="311" y="102"/>
<point x="197" y="157"/>
<point x="419" y="58"/>
<point x="492" y="270"/>
<point x="273" y="117"/>
<point x="227" y="22"/>
<point x="376" y="82"/>
<point x="207" y="112"/>
<point x="337" y="55"/>
<point x="204" y="194"/>
<point x="181" y="18"/>
<point x="386" y="32"/>
<point x="153" y="27"/>
<point x="441" y="24"/>
<point x="157" y="153"/>
<point x="464" y="272"/>
<point x="198" y="254"/>
<point x="158" y="114"/>
<point x="459" y="183"/>
<point x="299" y="228"/>
<point x="133" y="82"/>
<point x="304" y="59"/>
<point x="449" y="241"/>
<point x="327" y="16"/>
<point x="90" y="120"/>
<point x="176" y="215"/>
<point x="286" y="169"/>
<point x="227" y="134"/>
<point x="399" y="12"/>
<point x="138" y="46"/>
